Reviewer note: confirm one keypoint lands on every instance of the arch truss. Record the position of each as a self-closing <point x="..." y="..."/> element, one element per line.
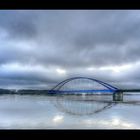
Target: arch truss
<point x="82" y="85"/>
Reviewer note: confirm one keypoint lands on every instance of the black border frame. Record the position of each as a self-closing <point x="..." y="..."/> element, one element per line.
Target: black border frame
<point x="68" y="133"/>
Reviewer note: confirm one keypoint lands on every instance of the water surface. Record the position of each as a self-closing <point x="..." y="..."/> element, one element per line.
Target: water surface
<point x="51" y="112"/>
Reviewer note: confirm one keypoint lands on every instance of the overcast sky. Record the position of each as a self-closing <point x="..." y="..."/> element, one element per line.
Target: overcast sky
<point x="39" y="49"/>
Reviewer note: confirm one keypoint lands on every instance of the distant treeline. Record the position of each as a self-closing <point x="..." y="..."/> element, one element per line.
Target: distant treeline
<point x="35" y="92"/>
<point x="6" y="91"/>
<point x="23" y="92"/>
<point x="47" y="92"/>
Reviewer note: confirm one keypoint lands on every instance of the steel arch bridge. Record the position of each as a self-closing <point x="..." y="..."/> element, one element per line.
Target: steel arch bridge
<point x="80" y="85"/>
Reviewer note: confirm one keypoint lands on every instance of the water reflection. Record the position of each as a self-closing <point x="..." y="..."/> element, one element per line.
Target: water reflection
<point x="116" y="122"/>
<point x="58" y="119"/>
<point x="39" y="112"/>
<point x="83" y="104"/>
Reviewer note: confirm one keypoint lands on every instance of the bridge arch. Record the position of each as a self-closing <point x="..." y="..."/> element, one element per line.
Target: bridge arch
<point x="83" y="84"/>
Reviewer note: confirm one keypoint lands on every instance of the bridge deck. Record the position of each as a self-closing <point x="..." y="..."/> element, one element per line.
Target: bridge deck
<point x="82" y="91"/>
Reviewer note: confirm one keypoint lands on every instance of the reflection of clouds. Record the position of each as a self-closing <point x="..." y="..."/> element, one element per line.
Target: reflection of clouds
<point x="89" y="122"/>
<point x="58" y="119"/>
<point x="35" y="112"/>
<point x="120" y="123"/>
<point x="31" y="122"/>
<point x="114" y="123"/>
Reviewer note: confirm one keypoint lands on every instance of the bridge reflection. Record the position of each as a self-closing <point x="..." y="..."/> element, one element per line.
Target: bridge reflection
<point x="83" y="105"/>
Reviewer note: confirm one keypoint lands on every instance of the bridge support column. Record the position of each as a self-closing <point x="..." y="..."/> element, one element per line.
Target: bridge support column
<point x="118" y="96"/>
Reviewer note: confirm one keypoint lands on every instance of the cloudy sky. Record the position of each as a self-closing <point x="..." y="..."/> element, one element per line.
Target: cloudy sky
<point x="43" y="47"/>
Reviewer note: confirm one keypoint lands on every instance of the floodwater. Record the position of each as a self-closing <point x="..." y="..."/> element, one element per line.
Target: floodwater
<point x="68" y="112"/>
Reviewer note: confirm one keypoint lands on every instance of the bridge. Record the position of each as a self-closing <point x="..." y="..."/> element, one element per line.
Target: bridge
<point x="98" y="96"/>
<point x="84" y="85"/>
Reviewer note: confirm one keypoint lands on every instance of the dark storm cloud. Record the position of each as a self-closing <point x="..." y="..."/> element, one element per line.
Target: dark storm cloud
<point x="22" y="29"/>
<point x="88" y="35"/>
<point x="19" y="25"/>
<point x="73" y="41"/>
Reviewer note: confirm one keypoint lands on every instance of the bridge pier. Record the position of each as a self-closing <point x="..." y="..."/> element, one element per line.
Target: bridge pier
<point x="118" y="96"/>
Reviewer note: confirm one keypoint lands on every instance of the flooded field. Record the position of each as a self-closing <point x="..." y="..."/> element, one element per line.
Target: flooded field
<point x="69" y="112"/>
